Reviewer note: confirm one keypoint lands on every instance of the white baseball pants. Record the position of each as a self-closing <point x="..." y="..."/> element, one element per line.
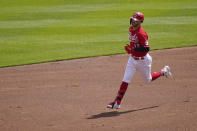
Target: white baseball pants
<point x="143" y="66"/>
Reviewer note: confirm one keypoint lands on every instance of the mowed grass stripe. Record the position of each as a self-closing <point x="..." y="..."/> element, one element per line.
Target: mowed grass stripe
<point x="97" y="7"/>
<point x="94" y="22"/>
<point x="68" y="11"/>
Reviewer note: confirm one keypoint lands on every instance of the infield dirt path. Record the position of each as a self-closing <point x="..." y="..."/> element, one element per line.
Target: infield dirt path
<point x="73" y="95"/>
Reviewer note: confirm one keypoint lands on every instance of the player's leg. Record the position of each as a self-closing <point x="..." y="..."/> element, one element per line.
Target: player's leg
<point x="129" y="72"/>
<point x="116" y="103"/>
<point x="128" y="75"/>
<point x="164" y="72"/>
<point x="144" y="68"/>
<point x="148" y="77"/>
<point x="145" y="71"/>
<point x="156" y="75"/>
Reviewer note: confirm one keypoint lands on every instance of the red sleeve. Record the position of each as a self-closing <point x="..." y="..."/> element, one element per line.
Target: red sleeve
<point x="143" y="39"/>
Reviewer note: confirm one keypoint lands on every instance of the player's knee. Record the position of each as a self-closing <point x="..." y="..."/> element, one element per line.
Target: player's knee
<point x="126" y="80"/>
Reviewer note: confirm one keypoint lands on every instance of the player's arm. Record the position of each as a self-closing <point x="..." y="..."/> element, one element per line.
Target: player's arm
<point x="142" y="49"/>
<point x="144" y="45"/>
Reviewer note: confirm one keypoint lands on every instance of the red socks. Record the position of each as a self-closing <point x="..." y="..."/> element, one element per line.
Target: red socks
<point x="121" y="92"/>
<point x="156" y="75"/>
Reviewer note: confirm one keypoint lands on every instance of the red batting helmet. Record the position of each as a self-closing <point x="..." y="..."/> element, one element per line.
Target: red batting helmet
<point x="137" y="16"/>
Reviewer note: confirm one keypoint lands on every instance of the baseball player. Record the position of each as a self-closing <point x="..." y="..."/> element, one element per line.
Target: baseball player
<point x="139" y="59"/>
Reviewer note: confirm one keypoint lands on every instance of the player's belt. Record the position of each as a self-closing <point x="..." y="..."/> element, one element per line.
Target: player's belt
<point x="138" y="58"/>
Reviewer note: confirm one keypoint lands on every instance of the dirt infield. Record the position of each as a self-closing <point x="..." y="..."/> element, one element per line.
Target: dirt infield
<point x="73" y="95"/>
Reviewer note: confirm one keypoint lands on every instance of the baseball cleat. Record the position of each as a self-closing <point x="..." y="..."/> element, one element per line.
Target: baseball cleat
<point x="167" y="72"/>
<point x="113" y="105"/>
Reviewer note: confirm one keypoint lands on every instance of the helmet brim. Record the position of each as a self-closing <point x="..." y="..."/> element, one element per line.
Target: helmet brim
<point x="134" y="19"/>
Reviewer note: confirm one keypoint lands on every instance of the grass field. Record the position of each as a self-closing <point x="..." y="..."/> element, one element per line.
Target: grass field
<point x="49" y="30"/>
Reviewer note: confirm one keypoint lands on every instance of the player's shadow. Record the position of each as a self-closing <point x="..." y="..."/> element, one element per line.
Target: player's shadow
<point x="117" y="113"/>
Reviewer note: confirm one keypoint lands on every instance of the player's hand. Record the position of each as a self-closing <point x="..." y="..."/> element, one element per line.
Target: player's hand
<point x="128" y="49"/>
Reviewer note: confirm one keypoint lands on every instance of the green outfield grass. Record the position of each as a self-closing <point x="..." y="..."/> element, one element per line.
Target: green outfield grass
<point x="34" y="31"/>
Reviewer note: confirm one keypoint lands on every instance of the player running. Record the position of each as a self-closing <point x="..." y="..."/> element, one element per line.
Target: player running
<point x="139" y="59"/>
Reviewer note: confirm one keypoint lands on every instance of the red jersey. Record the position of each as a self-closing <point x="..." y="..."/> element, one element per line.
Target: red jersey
<point x="138" y="40"/>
